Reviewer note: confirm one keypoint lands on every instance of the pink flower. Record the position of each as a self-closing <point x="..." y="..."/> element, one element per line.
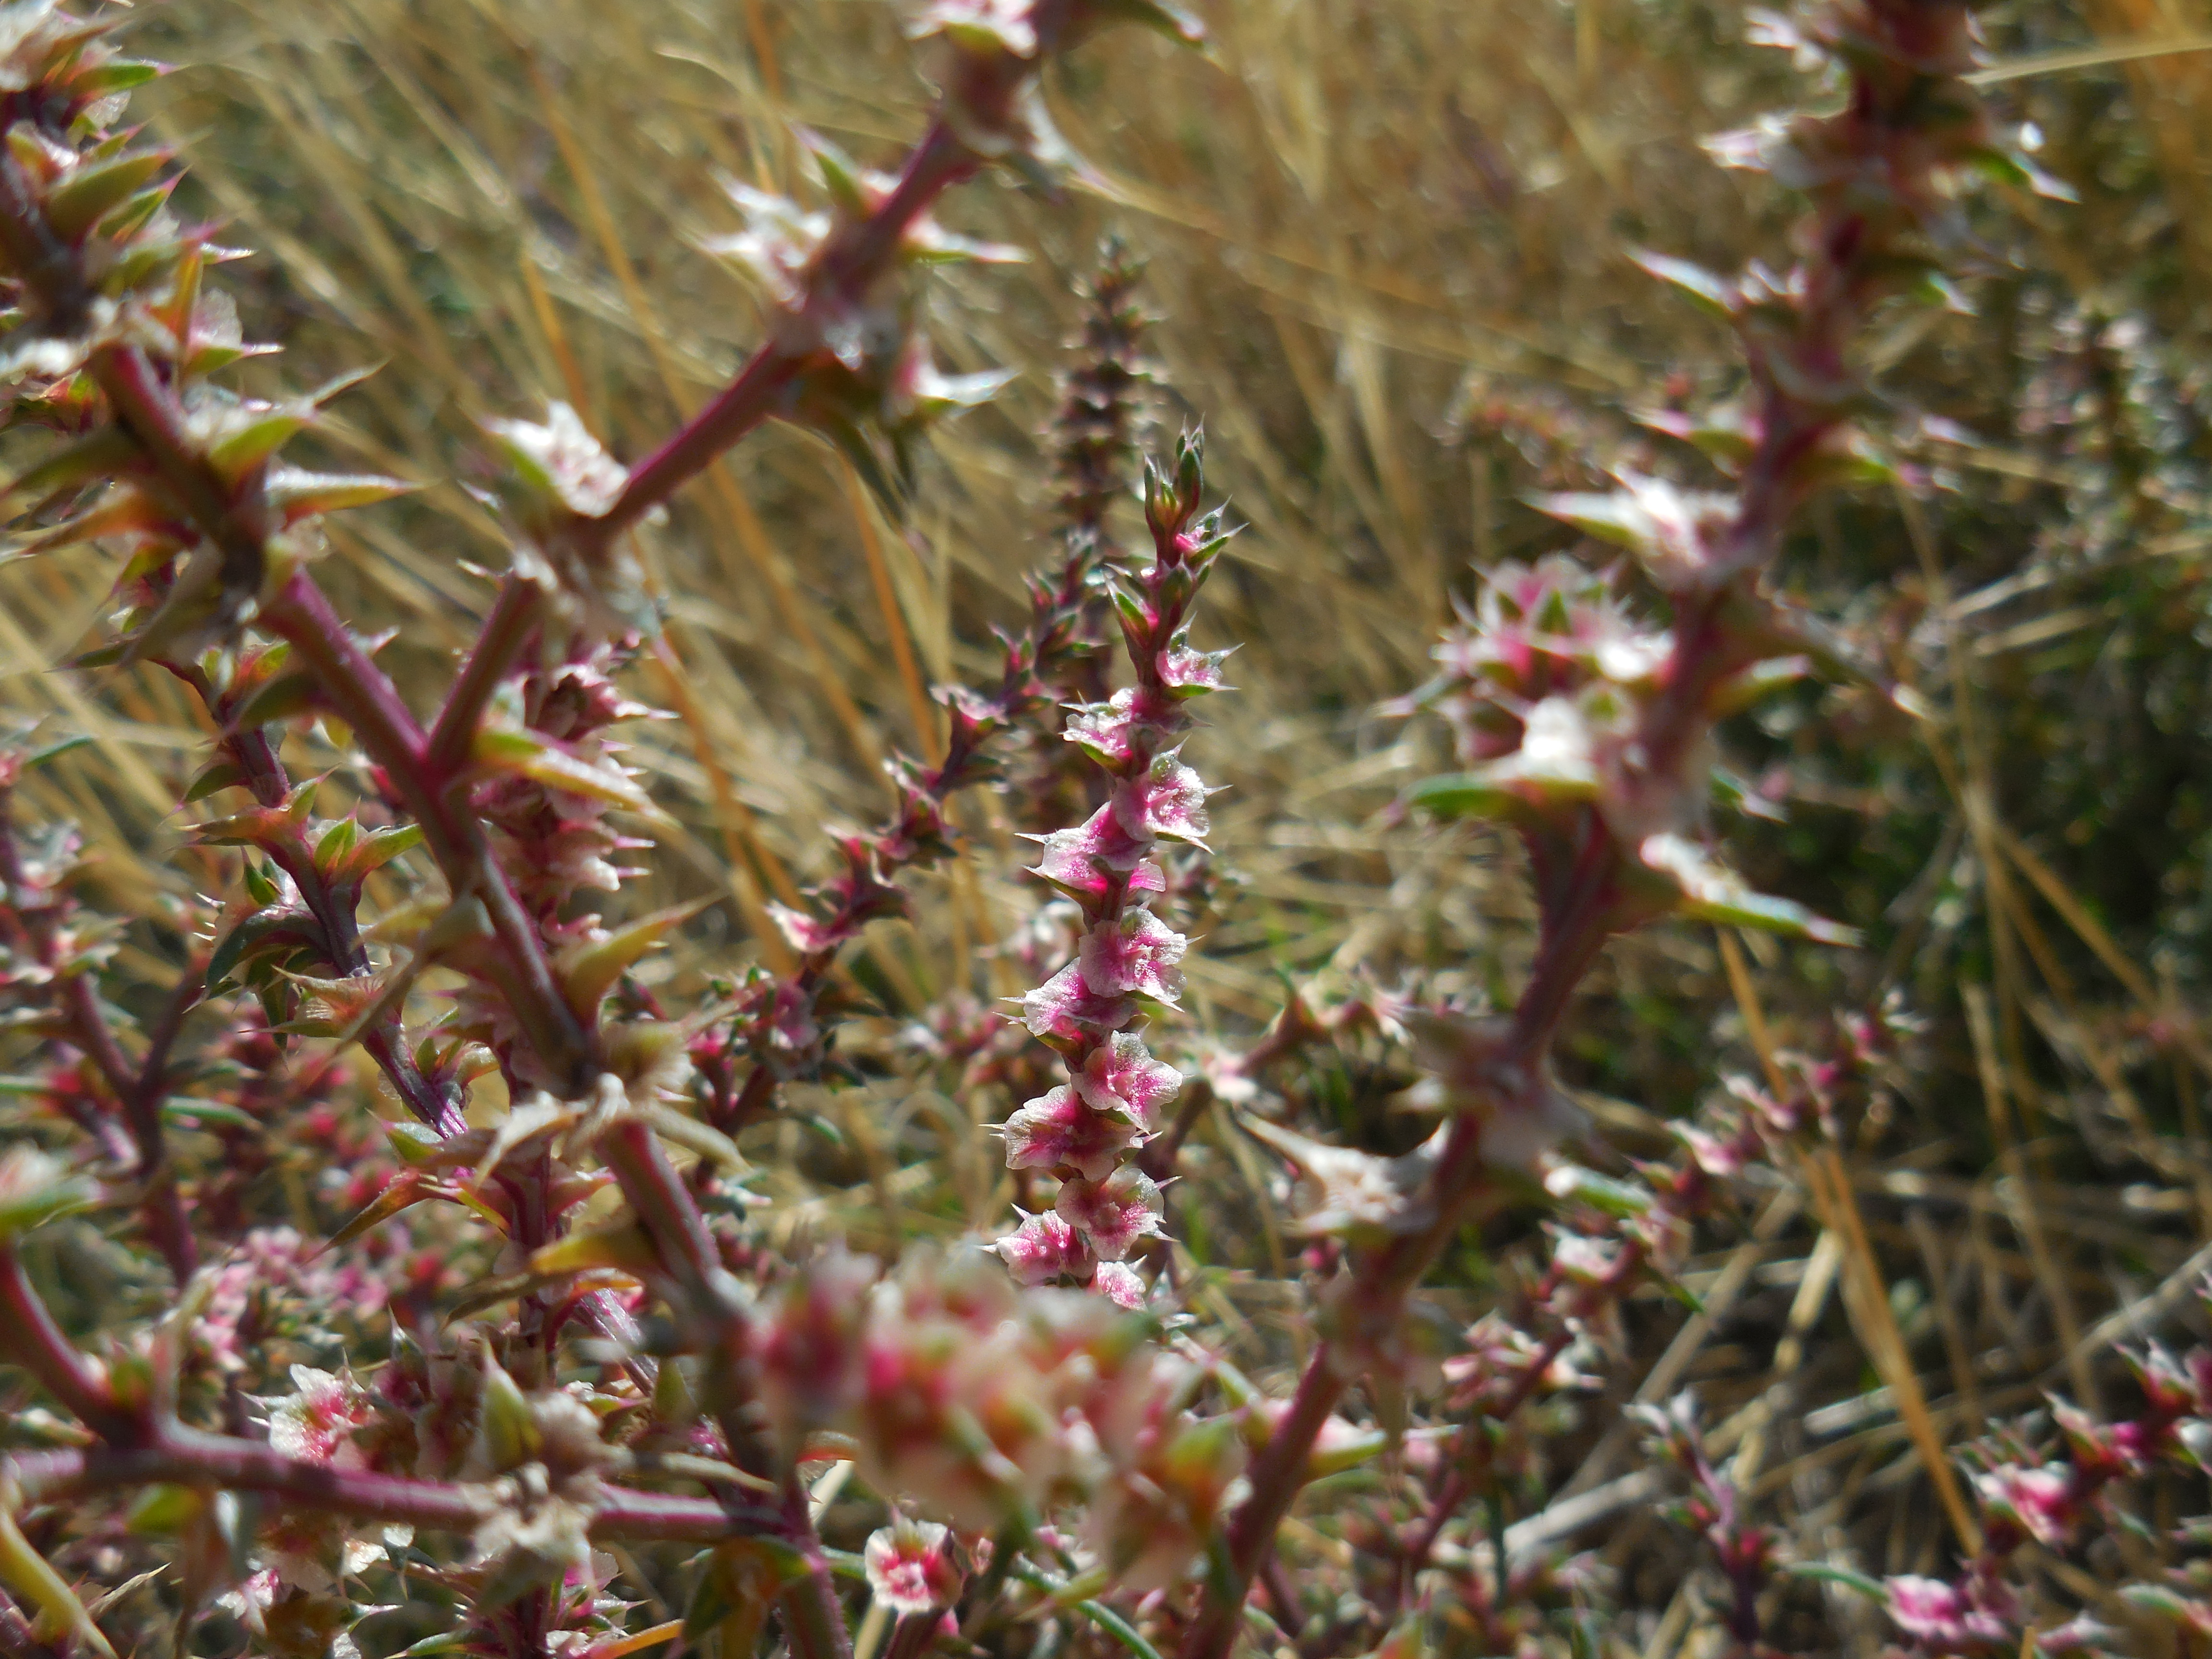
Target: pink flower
<point x="1583" y="1259"/>
<point x="1167" y="800"/>
<point x="1044" y="1248"/>
<point x="911" y="1567"/>
<point x="1136" y="957"/>
<point x="1926" y="1608"/>
<point x="1065" y="1008"/>
<point x="1941" y="1617"/>
<point x="317" y="1422"/>
<point x="1187" y="672"/>
<point x="1120" y="1284"/>
<point x="2042" y="1501"/>
<point x="1102" y="731"/>
<point x="1720" y="1158"/>
<point x="1057" y="1129"/>
<point x="1113" y="1214"/>
<point x="1078" y="861"/>
<point x="811" y="1345"/>
<point x="810" y="934"/>
<point x="1122" y="1076"/>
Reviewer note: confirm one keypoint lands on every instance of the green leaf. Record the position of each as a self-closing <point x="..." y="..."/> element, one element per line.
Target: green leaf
<point x="164" y="1508"/>
<point x="1117" y="1627"/>
<point x="30" y="1575"/>
<point x="405" y="1191"/>
<point x="187" y="1112"/>
<point x="1713" y="292"/>
<point x="114" y="76"/>
<point x="2007" y="166"/>
<point x="1710" y="892"/>
<point x="262" y="935"/>
<point x="376" y="849"/>
<point x="218" y="774"/>
<point x="34" y="1188"/>
<point x="336" y="840"/>
<point x="97" y="455"/>
<point x="131" y="216"/>
<point x="252" y="436"/>
<point x="297" y="495"/>
<point x="543" y="761"/>
<point x="78" y="201"/>
<point x="511" y="1433"/>
<point x="260" y="825"/>
<point x="1614" y="516"/>
<point x="122" y="512"/>
<point x="415" y="1144"/>
<point x="839" y="176"/>
<point x="1461" y="795"/>
<point x="55" y="751"/>
<point x="1823" y="1573"/>
<point x="1572" y="1183"/>
<point x="260" y="886"/>
<point x="588" y="968"/>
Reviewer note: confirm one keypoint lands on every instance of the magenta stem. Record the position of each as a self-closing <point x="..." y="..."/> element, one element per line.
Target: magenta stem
<point x="505" y="631"/>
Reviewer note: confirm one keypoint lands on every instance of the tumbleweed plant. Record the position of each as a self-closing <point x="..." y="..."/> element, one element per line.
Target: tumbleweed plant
<point x="413" y="1237"/>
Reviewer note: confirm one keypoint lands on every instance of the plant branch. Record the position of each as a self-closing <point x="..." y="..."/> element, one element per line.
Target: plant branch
<point x="264" y="773"/>
<point x="135" y="1088"/>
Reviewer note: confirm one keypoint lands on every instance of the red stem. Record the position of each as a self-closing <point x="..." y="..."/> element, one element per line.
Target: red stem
<point x="188" y="1456"/>
<point x="844" y="271"/>
<point x="505" y="631"/>
<point x="366" y="698"/>
<point x="32" y="1340"/>
<point x="813" y="1616"/>
<point x="385" y="1042"/>
<point x="142" y="1450"/>
<point x="1574" y="934"/>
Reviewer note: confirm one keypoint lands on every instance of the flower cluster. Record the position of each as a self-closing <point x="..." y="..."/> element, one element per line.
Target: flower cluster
<point x="2047" y="1493"/>
<point x="602" y="1342"/>
<point x="510" y="796"/>
<point x="1125" y="967"/>
<point x="786" y="1022"/>
<point x="989" y="1405"/>
<point x="1094" y="436"/>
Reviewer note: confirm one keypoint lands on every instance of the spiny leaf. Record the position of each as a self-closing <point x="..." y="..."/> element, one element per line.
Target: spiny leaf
<point x="217" y="774"/>
<point x="587" y="968"/>
<point x="1707" y="892"/>
<point x="375" y="850"/>
<point x="123" y="512"/>
<point x="29" y="1574"/>
<point x="55" y="751"/>
<point x="251" y="435"/>
<point x="34" y="1188"/>
<point x="264" y="933"/>
<point x="114" y="76"/>
<point x="74" y="204"/>
<point x="96" y="455"/>
<point x="1713" y="292"/>
<point x="621" y="1244"/>
<point x="336" y="840"/>
<point x="543" y="761"/>
<point x="260" y="825"/>
<point x="297" y="495"/>
<point x="510" y="1433"/>
<point x="406" y="1190"/>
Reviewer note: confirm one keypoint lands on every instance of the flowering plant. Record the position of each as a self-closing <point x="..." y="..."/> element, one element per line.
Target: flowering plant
<point x="556" y="1365"/>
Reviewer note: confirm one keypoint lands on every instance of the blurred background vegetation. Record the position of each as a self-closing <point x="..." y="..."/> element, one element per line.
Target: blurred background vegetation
<point x="1388" y="244"/>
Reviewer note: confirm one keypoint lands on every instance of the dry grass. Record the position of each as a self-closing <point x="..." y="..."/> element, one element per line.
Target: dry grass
<point x="1354" y="212"/>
